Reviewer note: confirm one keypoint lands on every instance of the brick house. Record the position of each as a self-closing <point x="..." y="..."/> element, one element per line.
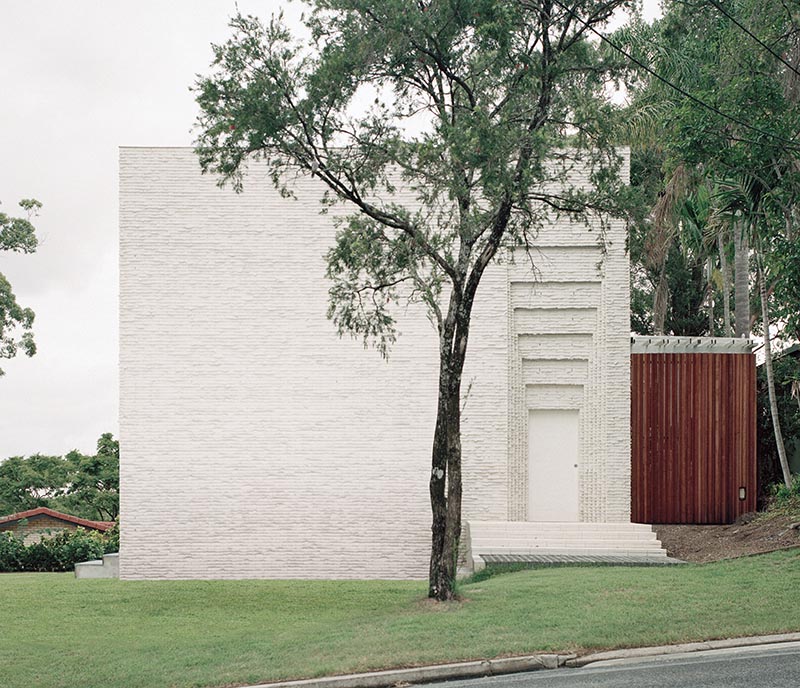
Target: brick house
<point x="239" y="402"/>
<point x="34" y="524"/>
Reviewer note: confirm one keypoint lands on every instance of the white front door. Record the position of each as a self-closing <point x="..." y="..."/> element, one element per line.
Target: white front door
<point x="553" y="440"/>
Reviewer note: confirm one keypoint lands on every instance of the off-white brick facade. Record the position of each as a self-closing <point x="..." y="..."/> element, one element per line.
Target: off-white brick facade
<point x="240" y="405"/>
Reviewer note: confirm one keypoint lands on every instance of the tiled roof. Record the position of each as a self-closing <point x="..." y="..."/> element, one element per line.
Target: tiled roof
<point x="44" y="511"/>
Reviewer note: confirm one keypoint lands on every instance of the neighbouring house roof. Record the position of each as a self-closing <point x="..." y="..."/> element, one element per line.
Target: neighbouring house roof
<point x="44" y="511"/>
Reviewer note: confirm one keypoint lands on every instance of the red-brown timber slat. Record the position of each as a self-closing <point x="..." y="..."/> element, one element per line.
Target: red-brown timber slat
<point x="693" y="437"/>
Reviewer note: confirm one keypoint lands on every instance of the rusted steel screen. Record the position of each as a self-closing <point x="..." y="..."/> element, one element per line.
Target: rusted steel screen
<point x="693" y="432"/>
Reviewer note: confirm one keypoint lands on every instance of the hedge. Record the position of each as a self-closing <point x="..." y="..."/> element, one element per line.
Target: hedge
<point x="58" y="553"/>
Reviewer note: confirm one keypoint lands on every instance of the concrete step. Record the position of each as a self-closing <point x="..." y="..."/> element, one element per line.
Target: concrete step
<point x="573" y="548"/>
<point x="592" y="559"/>
<point x="554" y="535"/>
<point x="520" y="538"/>
<point x="562" y="525"/>
<point x="107" y="567"/>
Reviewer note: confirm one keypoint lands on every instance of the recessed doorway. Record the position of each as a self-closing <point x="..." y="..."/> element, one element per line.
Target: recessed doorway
<point x="553" y="442"/>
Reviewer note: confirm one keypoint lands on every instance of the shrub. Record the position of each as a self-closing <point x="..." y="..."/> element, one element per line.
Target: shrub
<point x="12" y="552"/>
<point x="786" y="500"/>
<point x="111" y="539"/>
<point x="68" y="548"/>
<point x="39" y="556"/>
<point x="58" y="553"/>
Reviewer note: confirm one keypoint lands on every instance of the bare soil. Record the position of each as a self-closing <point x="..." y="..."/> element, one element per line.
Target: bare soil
<point x="750" y="534"/>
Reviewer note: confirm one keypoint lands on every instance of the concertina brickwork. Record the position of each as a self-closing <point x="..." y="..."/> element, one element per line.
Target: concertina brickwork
<point x="239" y="403"/>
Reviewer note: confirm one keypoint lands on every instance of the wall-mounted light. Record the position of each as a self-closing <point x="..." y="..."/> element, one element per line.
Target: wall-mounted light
<point x="742" y="493"/>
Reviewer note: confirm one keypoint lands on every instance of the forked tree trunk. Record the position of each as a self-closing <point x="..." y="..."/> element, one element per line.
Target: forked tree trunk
<point x="773" y="402"/>
<point x="445" y="480"/>
<point x="741" y="290"/>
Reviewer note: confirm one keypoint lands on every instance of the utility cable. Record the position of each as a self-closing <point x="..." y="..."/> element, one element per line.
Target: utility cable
<point x="674" y="86"/>
<point x="722" y="9"/>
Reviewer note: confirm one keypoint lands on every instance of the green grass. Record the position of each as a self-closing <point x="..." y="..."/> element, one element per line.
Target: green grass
<point x="58" y="632"/>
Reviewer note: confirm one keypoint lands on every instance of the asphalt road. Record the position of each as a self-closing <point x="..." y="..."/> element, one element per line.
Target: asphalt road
<point x="766" y="666"/>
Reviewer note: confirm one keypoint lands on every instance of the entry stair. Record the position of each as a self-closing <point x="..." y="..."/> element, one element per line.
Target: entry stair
<point x="495" y="542"/>
<point x="107" y="567"/>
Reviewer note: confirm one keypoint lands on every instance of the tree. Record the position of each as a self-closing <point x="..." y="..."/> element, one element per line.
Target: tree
<point x="668" y="253"/>
<point x="16" y="234"/>
<point x="27" y="483"/>
<point x="730" y="112"/>
<point x="94" y="480"/>
<point x="494" y="88"/>
<point x="81" y="485"/>
<point x="733" y="59"/>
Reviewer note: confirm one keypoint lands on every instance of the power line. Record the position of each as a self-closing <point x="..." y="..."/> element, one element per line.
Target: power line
<point x="722" y="9"/>
<point x="674" y="86"/>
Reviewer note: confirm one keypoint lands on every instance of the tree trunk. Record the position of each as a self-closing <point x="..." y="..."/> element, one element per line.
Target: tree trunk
<point x="741" y="290"/>
<point x="445" y="480"/>
<point x="710" y="304"/>
<point x="726" y="284"/>
<point x="773" y="402"/>
<point x="660" y="301"/>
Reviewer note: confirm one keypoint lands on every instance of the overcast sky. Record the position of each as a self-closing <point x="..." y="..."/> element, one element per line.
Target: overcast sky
<point x="78" y="80"/>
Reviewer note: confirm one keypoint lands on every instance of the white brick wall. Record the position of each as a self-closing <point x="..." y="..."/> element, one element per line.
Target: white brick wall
<point x="257" y="443"/>
<point x="570" y="349"/>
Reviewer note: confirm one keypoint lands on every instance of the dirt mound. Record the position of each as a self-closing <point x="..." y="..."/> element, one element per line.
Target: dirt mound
<point x="751" y="534"/>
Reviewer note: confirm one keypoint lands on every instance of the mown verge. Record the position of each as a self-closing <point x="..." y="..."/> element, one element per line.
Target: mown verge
<point x="58" y="632"/>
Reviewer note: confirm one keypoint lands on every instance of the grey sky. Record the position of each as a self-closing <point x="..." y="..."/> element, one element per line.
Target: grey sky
<point x="78" y="80"/>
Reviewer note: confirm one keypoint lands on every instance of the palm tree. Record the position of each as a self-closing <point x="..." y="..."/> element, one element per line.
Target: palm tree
<point x="750" y="200"/>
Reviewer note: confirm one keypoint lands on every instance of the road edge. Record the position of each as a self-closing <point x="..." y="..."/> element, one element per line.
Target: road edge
<point x="514" y="665"/>
<point x="428" y="674"/>
<point x="635" y="652"/>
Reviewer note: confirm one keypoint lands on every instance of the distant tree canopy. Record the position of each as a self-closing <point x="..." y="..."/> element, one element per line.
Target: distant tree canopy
<point x="714" y="124"/>
<point x="716" y="152"/>
<point x="82" y="485"/>
<point x="16" y="234"/>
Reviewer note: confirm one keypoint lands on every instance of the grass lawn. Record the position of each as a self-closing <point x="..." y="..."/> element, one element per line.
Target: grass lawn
<point x="58" y="632"/>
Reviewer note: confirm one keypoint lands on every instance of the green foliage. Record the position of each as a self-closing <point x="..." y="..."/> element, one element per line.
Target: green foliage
<point x="94" y="480"/>
<point x="785" y="263"/>
<point x="747" y="162"/>
<point x="58" y="553"/>
<point x="70" y="547"/>
<point x="111" y="539"/>
<point x="786" y="500"/>
<point x="786" y="370"/>
<point x="686" y="284"/>
<point x="27" y="483"/>
<point x="81" y="485"/>
<point x="12" y="552"/>
<point x="41" y="557"/>
<point x="492" y="89"/>
<point x="16" y="234"/>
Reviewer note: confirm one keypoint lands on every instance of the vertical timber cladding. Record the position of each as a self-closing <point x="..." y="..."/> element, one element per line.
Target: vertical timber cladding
<point x="693" y="430"/>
